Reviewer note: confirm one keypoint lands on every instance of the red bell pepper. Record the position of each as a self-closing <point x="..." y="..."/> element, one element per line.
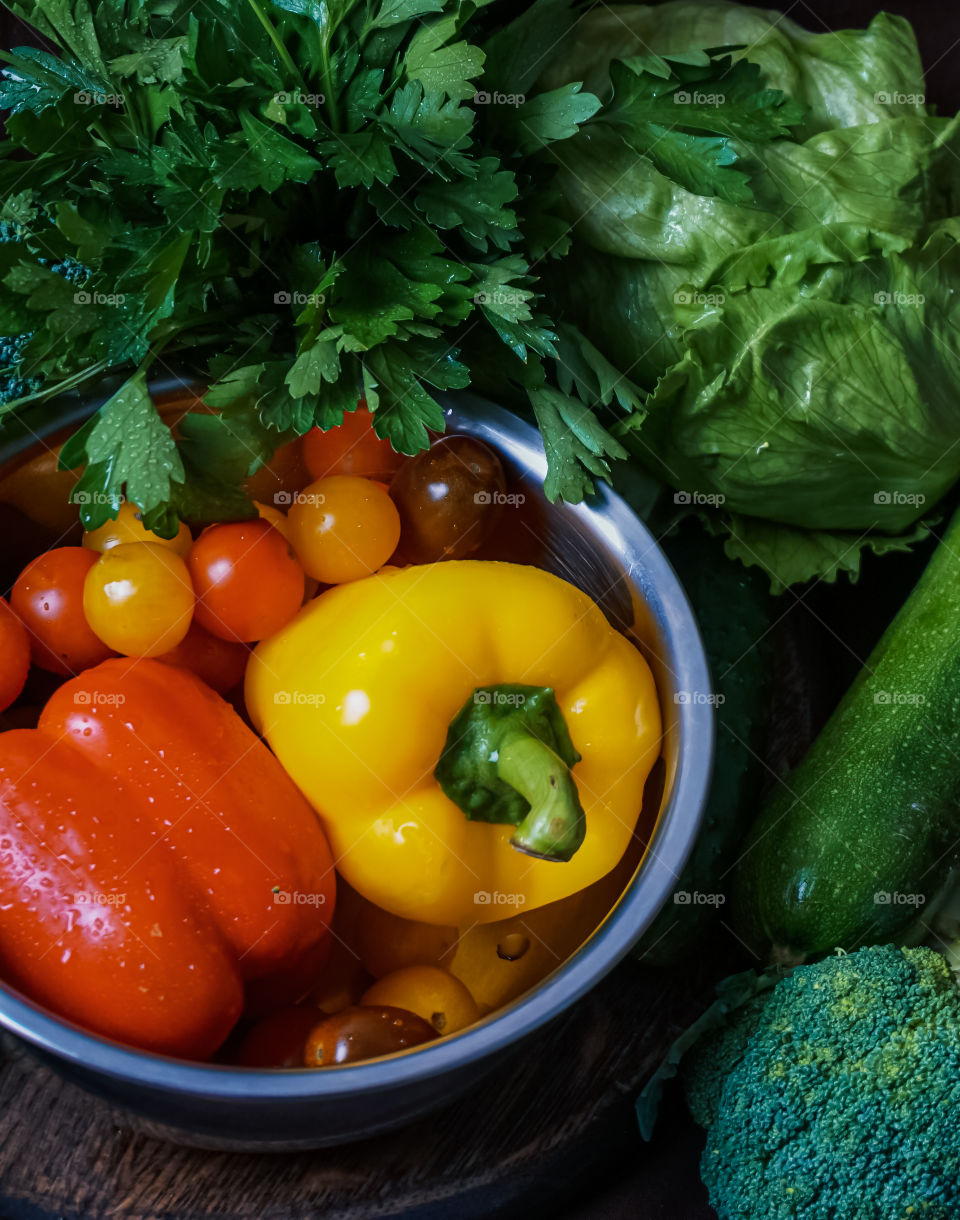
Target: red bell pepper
<point x="159" y="871"/>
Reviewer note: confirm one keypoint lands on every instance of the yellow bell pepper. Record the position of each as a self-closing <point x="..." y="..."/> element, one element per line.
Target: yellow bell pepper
<point x="539" y="719"/>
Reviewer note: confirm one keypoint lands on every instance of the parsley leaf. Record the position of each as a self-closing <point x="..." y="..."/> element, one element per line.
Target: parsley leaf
<point x="579" y="449"/>
<point x="685" y="115"/>
<point x="441" y="66"/>
<point x="132" y="450"/>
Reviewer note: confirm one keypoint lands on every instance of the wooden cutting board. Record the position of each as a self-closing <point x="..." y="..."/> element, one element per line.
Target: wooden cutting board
<point x="543" y="1124"/>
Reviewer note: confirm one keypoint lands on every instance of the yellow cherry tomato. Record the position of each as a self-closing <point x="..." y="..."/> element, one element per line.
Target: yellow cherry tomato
<point x="273" y="516"/>
<point x="343" y="528"/>
<point x="138" y="599"/>
<point x="128" y="527"/>
<point x="428" y="991"/>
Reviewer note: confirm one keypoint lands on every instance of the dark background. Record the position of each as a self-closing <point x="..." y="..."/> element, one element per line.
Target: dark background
<point x="660" y="1181"/>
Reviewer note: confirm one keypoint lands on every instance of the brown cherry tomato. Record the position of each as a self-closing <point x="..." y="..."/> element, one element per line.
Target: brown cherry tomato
<point x="448" y="498"/>
<point x="14" y="655"/>
<point x="352" y="448"/>
<point x="219" y="663"/>
<point x="247" y="580"/>
<point x="364" y="1033"/>
<point x="48" y="599"/>
<point x="279" y="1040"/>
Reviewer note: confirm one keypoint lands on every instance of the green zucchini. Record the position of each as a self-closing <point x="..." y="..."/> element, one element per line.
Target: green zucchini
<point x="863" y="834"/>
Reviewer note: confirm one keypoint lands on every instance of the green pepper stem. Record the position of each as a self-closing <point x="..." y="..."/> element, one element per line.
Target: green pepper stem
<point x="556" y="824"/>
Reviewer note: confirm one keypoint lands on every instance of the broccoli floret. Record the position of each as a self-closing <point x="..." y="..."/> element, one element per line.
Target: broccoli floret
<point x="842" y="1102"/>
<point x="710" y="1061"/>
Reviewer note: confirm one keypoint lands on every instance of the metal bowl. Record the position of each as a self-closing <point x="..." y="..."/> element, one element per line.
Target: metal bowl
<point x="605" y="549"/>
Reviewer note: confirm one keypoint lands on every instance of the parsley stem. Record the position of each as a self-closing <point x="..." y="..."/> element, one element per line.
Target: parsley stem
<point x="328" y="93"/>
<point x="276" y="40"/>
<point x="60" y="387"/>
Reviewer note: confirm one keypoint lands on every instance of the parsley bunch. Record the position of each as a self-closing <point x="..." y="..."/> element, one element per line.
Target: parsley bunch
<point x="320" y="200"/>
<point x="315" y="202"/>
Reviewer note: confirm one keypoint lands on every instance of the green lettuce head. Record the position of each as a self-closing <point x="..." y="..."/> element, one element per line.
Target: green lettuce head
<point x="778" y="277"/>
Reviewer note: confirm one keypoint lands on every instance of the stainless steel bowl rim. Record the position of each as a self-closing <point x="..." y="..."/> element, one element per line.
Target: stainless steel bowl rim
<point x="673" y="839"/>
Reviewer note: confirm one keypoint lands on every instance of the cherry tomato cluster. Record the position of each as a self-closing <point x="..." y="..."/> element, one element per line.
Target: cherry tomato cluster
<point x="199" y="602"/>
<point x="386" y="987"/>
<point x="335" y="507"/>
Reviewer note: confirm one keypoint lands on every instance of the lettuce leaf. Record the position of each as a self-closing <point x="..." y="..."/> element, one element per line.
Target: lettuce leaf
<point x="831" y="404"/>
<point x="792" y="556"/>
<point x="798" y="340"/>
<point x="845" y="78"/>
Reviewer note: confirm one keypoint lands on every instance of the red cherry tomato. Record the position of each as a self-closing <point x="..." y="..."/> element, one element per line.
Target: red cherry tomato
<point x="48" y="598"/>
<point x="278" y="1041"/>
<point x="14" y="655"/>
<point x="248" y="581"/>
<point x="219" y="663"/>
<point x="353" y="448"/>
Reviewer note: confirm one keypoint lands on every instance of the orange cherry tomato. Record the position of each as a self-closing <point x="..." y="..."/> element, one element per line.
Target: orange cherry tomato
<point x="279" y="1040"/>
<point x="128" y="527"/>
<point x="343" y="528"/>
<point x="43" y="492"/>
<point x="431" y="993"/>
<point x="14" y="655"/>
<point x="343" y="979"/>
<point x="352" y="448"/>
<point x="48" y="599"/>
<point x="248" y="581"/>
<point x="138" y="598"/>
<point x="276" y="480"/>
<point x="364" y="1033"/>
<point x="219" y="663"/>
<point x="386" y="943"/>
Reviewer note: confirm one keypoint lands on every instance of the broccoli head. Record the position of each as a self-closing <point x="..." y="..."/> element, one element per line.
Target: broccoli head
<point x="842" y="1102"/>
<point x="710" y="1061"/>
